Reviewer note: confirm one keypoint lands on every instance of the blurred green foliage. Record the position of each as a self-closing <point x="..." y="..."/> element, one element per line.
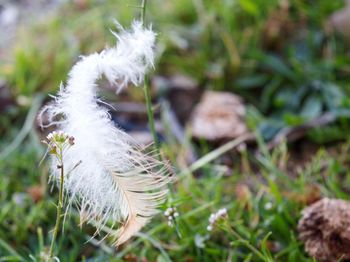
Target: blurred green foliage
<point x="279" y="55"/>
<point x="288" y="78"/>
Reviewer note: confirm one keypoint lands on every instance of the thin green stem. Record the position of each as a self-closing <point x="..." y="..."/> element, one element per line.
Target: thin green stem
<point x="246" y="243"/>
<point x="147" y="91"/>
<point x="59" y="211"/>
<point x="143" y="12"/>
<point x="150" y="115"/>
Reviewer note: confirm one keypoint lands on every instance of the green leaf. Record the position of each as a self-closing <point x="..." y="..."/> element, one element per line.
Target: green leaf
<point x="312" y="107"/>
<point x="253" y="81"/>
<point x="264" y="247"/>
<point x="278" y="66"/>
<point x="332" y="95"/>
<point x="248" y="258"/>
<point x="293" y="119"/>
<point x="268" y="92"/>
<point x="249" y="7"/>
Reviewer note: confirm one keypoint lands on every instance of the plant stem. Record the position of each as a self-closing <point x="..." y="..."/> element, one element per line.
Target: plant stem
<point x="143" y="12"/>
<point x="246" y="243"/>
<point x="59" y="211"/>
<point x="150" y="115"/>
<point x="147" y="91"/>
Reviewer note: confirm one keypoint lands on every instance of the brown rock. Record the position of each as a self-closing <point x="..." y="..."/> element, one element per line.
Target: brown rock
<point x="325" y="229"/>
<point x="219" y="115"/>
<point x="340" y="21"/>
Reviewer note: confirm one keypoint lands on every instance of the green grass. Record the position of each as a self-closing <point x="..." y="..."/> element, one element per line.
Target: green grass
<point x="258" y="203"/>
<point x="223" y="48"/>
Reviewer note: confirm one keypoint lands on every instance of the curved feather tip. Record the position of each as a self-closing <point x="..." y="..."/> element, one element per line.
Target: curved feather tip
<point x="114" y="181"/>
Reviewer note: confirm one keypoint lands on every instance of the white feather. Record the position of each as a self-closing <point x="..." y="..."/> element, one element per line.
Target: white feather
<point x="115" y="180"/>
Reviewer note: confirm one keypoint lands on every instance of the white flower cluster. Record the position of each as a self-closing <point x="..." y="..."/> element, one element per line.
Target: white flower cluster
<point x="57" y="142"/>
<point x="171" y="214"/>
<point x="56" y="134"/>
<point x="220" y="214"/>
<point x="60" y="137"/>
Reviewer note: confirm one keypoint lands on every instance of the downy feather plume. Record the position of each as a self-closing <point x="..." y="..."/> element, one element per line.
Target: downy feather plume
<point x="114" y="181"/>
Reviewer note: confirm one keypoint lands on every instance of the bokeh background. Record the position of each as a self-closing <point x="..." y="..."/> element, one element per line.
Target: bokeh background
<point x="277" y="71"/>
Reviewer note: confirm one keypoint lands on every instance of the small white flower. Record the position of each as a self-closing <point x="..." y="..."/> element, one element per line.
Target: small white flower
<point x="222" y="212"/>
<point x="171" y="215"/>
<point x="213" y="218"/>
<point x="57" y="142"/>
<point x="268" y="206"/>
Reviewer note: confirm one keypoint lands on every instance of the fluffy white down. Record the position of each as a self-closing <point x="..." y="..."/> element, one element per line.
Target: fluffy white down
<point x="115" y="180"/>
